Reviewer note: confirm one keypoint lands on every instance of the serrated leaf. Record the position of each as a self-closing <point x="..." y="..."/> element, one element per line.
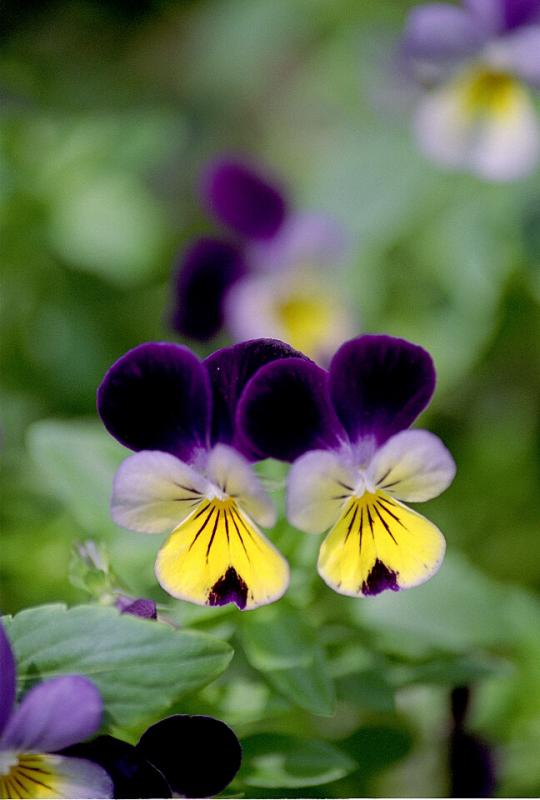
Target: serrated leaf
<point x="276" y="760"/>
<point x="279" y="643"/>
<point x="140" y="667"/>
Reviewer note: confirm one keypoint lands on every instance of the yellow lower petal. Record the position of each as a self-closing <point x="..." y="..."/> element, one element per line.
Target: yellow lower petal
<point x="219" y="556"/>
<point x="377" y="544"/>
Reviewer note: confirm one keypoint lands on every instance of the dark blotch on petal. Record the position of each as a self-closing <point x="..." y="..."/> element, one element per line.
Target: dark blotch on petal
<point x="205" y="273"/>
<point x="379" y="580"/>
<point x="243" y="199"/>
<point x="285" y="411"/>
<point x="198" y="755"/>
<point x="379" y="385"/>
<point x="230" y="369"/>
<point x="157" y="397"/>
<point x="131" y="773"/>
<point x="142" y="607"/>
<point x="229" y="589"/>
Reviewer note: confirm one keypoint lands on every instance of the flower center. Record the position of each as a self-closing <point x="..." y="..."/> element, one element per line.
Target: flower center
<point x="306" y="319"/>
<point x="489" y="92"/>
<point x="26" y="775"/>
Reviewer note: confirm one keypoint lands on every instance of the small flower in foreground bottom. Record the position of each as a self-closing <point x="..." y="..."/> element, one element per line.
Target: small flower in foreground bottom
<point x="481" y="61"/>
<point x="355" y="462"/>
<point x="192" y="756"/>
<point x="192" y="477"/>
<point x="53" y="715"/>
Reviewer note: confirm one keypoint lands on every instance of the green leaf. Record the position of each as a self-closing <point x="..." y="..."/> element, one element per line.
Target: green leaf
<point x="279" y="643"/>
<point x="78" y="460"/>
<point x="141" y="667"/>
<point x="290" y="762"/>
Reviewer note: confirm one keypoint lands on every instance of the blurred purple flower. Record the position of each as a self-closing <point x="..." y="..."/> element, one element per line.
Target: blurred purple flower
<point x="273" y="280"/>
<point x="172" y="756"/>
<point x="480" y="62"/>
<point x="193" y="476"/>
<point x="355" y="462"/>
<point x="471" y="760"/>
<point x="55" y="714"/>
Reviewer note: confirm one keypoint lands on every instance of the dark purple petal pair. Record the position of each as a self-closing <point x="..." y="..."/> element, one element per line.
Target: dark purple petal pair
<point x="375" y="387"/>
<point x="254" y="209"/>
<point x="192" y="756"/>
<point x="159" y="396"/>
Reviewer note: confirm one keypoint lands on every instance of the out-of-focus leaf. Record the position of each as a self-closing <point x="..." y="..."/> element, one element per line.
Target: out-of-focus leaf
<point x="140" y="666"/>
<point x="290" y="762"/>
<point x="278" y="642"/>
<point x="450" y="671"/>
<point x="78" y="459"/>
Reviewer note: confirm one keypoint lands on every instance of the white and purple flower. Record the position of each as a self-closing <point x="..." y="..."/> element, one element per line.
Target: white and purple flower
<point x="479" y="63"/>
<point x="276" y="278"/>
<point x="53" y="715"/>
<point x="355" y="462"/>
<point x="192" y="475"/>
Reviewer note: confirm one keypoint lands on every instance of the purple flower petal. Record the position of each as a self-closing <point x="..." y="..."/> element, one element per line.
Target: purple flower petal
<point x="141" y="607"/>
<point x="522" y="54"/>
<point x="230" y="369"/>
<point x="55" y="714"/>
<point x="198" y="755"/>
<point x="285" y="410"/>
<point x="379" y="385"/>
<point x="157" y="397"/>
<point x="208" y="268"/>
<point x="243" y="199"/>
<point x="133" y="776"/>
<point x="7" y="679"/>
<point x="441" y="33"/>
<point x="499" y="16"/>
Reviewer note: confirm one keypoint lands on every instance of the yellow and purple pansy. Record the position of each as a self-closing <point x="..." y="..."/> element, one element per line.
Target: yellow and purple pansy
<point x="271" y="277"/>
<point x="479" y="63"/>
<point x="191" y="475"/>
<point x="355" y="463"/>
<point x="53" y="715"/>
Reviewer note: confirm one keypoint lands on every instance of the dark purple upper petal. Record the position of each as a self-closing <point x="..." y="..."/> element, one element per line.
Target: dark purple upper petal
<point x="230" y="369"/>
<point x="379" y="385"/>
<point x="208" y="268"/>
<point x="157" y="397"/>
<point x="285" y="410"/>
<point x="8" y="678"/>
<point x="199" y="756"/>
<point x="132" y="775"/>
<point x="243" y="199"/>
<point x="54" y="714"/>
<point x="500" y="16"/>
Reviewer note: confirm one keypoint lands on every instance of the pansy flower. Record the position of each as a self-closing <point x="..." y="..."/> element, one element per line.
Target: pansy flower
<point x="356" y="463"/>
<point x="480" y="61"/>
<point x="191" y="475"/>
<point x="271" y="278"/>
<point x="54" y="714"/>
<point x="192" y="756"/>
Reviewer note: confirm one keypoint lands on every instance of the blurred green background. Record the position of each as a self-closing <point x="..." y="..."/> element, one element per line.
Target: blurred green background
<point x="108" y="112"/>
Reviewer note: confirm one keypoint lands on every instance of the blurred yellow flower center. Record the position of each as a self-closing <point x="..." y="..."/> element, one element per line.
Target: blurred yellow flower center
<point x="26" y="775"/>
<point x="489" y="92"/>
<point x="306" y="320"/>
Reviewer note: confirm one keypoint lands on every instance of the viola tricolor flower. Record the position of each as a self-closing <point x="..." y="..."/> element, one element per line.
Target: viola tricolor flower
<point x="272" y="279"/>
<point x="355" y="462"/>
<point x="191" y="475"/>
<point x="481" y="61"/>
<point x="192" y="756"/>
<point x="53" y="715"/>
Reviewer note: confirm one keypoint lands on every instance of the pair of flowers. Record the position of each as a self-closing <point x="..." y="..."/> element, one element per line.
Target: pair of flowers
<point x="199" y="426"/>
<point x="268" y="275"/>
<point x="479" y="62"/>
<point x="43" y="753"/>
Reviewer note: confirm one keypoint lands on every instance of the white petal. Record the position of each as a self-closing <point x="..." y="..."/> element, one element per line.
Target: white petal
<point x="320" y="483"/>
<point x="500" y="141"/>
<point x="49" y="776"/>
<point x="154" y="491"/>
<point x="413" y="466"/>
<point x="232" y="474"/>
